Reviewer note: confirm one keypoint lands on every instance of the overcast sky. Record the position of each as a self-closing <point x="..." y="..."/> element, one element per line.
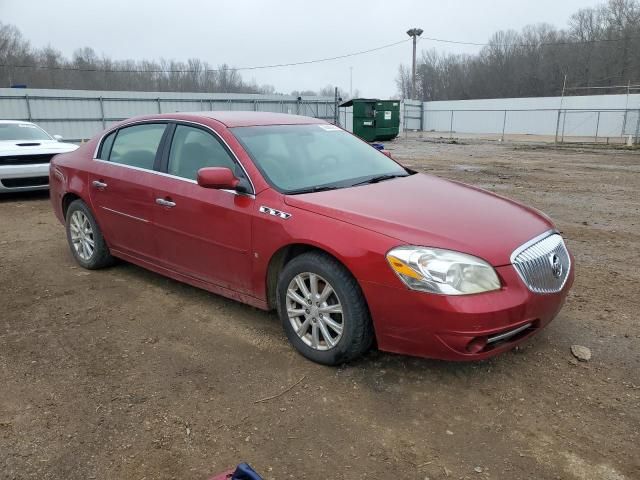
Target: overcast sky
<point x="254" y="32"/>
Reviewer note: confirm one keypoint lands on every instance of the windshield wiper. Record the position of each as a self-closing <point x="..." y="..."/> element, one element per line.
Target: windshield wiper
<point x="323" y="188"/>
<point x="380" y="178"/>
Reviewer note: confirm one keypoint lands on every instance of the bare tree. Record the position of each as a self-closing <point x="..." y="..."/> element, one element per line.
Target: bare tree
<point x="599" y="47"/>
<point x="48" y="68"/>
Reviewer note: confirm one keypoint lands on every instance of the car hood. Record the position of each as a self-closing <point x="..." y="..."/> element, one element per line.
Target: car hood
<point x="34" y="147"/>
<point x="429" y="211"/>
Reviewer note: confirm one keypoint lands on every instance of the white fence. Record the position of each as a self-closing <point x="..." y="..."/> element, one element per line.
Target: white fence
<point x="80" y="114"/>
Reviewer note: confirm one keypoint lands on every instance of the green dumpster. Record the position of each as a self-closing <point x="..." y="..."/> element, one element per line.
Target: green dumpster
<point x="387" y="119"/>
<point x="375" y="119"/>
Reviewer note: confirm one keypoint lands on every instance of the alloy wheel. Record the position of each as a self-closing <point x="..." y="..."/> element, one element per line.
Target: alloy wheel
<point x="82" y="237"/>
<point x="315" y="311"/>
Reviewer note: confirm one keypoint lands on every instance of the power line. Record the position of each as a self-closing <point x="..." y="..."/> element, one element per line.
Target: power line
<point x="208" y="70"/>
<point x="537" y="44"/>
<point x="632" y="87"/>
<point x="319" y="60"/>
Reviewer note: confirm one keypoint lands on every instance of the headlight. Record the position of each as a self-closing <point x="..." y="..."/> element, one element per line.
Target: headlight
<point x="442" y="271"/>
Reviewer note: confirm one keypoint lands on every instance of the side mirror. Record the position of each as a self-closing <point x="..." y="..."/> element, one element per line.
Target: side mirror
<point x="58" y="137"/>
<point x="220" y="178"/>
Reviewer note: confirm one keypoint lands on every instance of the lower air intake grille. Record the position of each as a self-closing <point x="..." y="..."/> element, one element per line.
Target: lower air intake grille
<point x="25" y="159"/>
<point x="25" y="182"/>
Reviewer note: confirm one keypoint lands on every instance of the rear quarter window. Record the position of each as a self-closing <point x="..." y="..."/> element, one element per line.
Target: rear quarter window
<point x="136" y="146"/>
<point x="107" y="144"/>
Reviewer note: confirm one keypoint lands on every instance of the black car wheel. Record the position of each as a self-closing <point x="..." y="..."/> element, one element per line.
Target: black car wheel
<point x="323" y="310"/>
<point x="85" y="238"/>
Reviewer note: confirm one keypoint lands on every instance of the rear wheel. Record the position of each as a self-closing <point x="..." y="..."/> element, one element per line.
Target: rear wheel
<point x="322" y="309"/>
<point x="85" y="238"/>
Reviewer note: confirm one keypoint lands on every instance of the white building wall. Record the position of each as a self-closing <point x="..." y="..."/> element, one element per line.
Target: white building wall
<point x="537" y="116"/>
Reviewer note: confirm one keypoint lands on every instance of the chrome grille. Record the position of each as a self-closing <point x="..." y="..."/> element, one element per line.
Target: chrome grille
<point x="543" y="263"/>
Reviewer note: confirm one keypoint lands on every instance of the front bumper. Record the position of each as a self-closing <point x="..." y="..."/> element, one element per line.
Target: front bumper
<point x="19" y="178"/>
<point x="467" y="327"/>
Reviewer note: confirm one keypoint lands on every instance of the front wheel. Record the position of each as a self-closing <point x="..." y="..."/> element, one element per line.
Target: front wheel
<point x="322" y="309"/>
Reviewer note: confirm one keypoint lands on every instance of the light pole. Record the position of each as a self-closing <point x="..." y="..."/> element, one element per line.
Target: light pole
<point x="414" y="33"/>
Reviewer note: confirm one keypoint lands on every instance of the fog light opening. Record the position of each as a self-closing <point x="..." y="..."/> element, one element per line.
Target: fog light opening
<point x="477" y="345"/>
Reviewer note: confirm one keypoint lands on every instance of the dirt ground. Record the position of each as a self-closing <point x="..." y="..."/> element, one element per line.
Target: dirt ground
<point x="124" y="374"/>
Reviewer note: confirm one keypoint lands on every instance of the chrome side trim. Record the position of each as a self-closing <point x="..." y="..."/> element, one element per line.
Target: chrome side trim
<point x="155" y="172"/>
<point x="509" y="334"/>
<point x="125" y="214"/>
<point x="165" y="119"/>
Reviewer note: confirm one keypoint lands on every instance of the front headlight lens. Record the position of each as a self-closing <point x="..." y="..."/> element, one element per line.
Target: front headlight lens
<point x="441" y="271"/>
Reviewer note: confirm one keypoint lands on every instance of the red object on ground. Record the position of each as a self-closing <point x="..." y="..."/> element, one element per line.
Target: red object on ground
<point x="223" y="476"/>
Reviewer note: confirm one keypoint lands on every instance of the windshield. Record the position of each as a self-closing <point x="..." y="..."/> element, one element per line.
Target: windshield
<point x="22" y="131"/>
<point x="300" y="158"/>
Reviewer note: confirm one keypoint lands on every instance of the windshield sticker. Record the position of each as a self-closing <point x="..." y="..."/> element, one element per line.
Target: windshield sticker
<point x="329" y="127"/>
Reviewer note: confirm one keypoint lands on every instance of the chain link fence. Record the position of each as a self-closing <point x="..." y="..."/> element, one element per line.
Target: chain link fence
<point x="565" y="125"/>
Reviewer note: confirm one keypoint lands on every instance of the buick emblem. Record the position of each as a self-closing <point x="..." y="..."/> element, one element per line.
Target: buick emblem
<point x="556" y="265"/>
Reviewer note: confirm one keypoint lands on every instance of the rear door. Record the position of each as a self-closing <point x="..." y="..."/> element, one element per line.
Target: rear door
<point x="122" y="188"/>
<point x="201" y="232"/>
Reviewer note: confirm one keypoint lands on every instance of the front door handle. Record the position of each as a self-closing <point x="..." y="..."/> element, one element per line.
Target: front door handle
<point x="98" y="184"/>
<point x="165" y="203"/>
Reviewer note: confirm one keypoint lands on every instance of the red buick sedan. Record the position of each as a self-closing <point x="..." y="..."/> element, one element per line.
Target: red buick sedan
<point x="291" y="213"/>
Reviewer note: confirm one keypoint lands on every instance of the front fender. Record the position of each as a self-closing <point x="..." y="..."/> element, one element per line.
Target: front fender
<point x="360" y="250"/>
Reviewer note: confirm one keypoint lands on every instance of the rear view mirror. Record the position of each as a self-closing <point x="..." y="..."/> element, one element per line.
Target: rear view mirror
<point x="387" y="153"/>
<point x="220" y="178"/>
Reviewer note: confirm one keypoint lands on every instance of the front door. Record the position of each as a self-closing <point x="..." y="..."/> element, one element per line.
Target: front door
<point x="121" y="185"/>
<point x="203" y="233"/>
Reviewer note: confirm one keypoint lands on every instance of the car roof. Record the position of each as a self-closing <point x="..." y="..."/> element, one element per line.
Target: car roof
<point x="16" y="122"/>
<point x="238" y="118"/>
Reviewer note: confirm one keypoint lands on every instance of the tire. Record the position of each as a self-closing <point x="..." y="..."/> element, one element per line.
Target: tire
<point x="356" y="335"/>
<point x="99" y="255"/>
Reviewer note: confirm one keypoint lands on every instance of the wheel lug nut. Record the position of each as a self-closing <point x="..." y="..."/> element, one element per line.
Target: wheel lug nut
<point x="307" y="311"/>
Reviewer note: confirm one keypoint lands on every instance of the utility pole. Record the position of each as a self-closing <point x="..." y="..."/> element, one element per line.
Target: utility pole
<point x="414" y="33"/>
<point x="564" y="85"/>
<point x="335" y="107"/>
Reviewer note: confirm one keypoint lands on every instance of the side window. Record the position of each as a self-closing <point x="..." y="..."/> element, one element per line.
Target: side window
<point x="192" y="149"/>
<point x="137" y="146"/>
<point x="107" y="144"/>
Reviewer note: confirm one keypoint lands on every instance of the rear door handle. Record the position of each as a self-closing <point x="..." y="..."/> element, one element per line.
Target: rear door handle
<point x="165" y="203"/>
<point x="99" y="184"/>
